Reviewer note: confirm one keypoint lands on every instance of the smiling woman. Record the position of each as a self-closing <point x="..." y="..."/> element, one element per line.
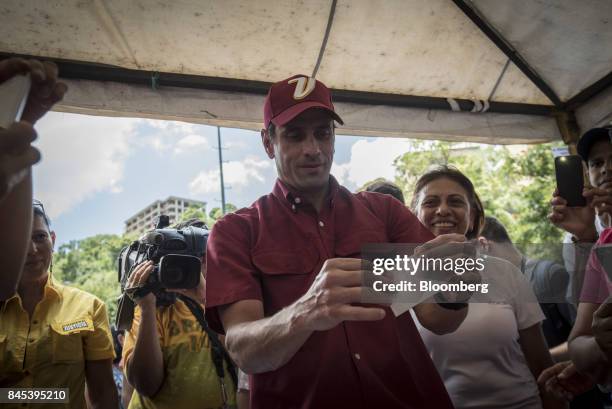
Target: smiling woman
<point x="503" y="340"/>
<point x="446" y="202"/>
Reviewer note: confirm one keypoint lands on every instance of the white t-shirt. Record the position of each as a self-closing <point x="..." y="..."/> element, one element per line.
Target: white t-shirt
<point x="482" y="363"/>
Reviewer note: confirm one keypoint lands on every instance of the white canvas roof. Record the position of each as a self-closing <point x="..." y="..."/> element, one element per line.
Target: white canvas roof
<point x="402" y="68"/>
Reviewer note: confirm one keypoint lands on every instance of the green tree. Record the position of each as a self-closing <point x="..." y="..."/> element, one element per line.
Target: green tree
<point x="195" y="212"/>
<point x="91" y="265"/>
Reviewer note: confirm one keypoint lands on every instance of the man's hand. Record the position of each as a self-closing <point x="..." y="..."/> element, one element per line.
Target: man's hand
<point x="579" y="221"/>
<point x="563" y="381"/>
<point x="16" y="155"/>
<point x="602" y="327"/>
<point x="45" y="91"/>
<point x="601" y="200"/>
<point x="136" y="281"/>
<point x="329" y="300"/>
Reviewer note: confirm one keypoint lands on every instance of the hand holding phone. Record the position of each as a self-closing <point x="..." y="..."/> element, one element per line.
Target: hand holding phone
<point x="45" y="90"/>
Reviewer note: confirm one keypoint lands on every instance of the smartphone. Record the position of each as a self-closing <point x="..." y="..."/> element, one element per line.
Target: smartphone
<point x="570" y="179"/>
<point x="13" y="97"/>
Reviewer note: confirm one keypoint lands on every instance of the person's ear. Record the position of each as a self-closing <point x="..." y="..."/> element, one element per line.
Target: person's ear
<point x="53" y="238"/>
<point x="484" y="244"/>
<point x="267" y="143"/>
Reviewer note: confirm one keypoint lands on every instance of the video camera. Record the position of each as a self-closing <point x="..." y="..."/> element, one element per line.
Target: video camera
<point x="177" y="259"/>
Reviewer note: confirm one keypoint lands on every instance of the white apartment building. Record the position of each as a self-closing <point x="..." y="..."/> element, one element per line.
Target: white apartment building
<point x="173" y="207"/>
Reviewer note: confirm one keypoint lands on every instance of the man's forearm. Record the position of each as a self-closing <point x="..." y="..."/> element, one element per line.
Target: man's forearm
<point x="16" y="219"/>
<point x="582" y="252"/>
<point x="107" y="398"/>
<point x="146" y="364"/>
<point x="269" y="343"/>
<point x="590" y="359"/>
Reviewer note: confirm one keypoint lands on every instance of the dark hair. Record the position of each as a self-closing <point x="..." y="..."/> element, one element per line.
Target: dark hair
<point x="454" y="174"/>
<point x="271" y="130"/>
<point x="495" y="231"/>
<point x="39" y="210"/>
<point x="387" y="188"/>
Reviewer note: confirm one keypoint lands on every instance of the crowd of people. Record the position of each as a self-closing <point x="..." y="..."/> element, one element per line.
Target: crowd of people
<point x="278" y="318"/>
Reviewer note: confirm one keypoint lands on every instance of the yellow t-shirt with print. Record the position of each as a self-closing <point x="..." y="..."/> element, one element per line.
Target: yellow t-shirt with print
<point x="67" y="328"/>
<point x="191" y="380"/>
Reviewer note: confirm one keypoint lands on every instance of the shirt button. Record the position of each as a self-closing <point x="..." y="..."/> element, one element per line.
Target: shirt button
<point x="357" y="356"/>
<point x="31" y="340"/>
<point x="321" y="223"/>
<point x="298" y="200"/>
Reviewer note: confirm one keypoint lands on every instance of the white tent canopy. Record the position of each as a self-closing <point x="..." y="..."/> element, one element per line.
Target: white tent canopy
<point x="402" y="68"/>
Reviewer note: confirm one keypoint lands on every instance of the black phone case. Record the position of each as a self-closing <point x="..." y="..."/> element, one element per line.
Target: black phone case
<point x="570" y="179"/>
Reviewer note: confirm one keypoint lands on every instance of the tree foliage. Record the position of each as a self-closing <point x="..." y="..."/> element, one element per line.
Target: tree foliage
<point x="195" y="212"/>
<point x="91" y="265"/>
<point x="514" y="186"/>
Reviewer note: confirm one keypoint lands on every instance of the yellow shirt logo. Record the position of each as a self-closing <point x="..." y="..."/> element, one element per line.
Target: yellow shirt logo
<point x="304" y="86"/>
<point x="75" y="325"/>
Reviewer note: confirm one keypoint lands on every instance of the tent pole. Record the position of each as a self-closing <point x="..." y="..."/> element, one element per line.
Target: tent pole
<point x="589" y="92"/>
<point x="569" y="129"/>
<point x="478" y="19"/>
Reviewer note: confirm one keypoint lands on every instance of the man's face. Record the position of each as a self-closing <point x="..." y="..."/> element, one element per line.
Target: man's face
<point x="600" y="164"/>
<point x="303" y="150"/>
<point x="40" y="250"/>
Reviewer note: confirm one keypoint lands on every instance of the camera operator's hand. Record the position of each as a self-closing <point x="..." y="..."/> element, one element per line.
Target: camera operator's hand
<point x="45" y="90"/>
<point x="328" y="301"/>
<point x="16" y="155"/>
<point x="136" y="281"/>
<point x="578" y="221"/>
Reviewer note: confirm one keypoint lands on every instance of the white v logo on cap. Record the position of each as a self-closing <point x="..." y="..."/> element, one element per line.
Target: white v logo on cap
<point x="304" y="86"/>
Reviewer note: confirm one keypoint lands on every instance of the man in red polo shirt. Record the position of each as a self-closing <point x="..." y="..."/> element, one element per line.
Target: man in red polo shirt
<point x="284" y="276"/>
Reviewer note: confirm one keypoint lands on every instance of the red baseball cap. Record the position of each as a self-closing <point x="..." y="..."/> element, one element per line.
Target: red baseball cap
<point x="289" y="98"/>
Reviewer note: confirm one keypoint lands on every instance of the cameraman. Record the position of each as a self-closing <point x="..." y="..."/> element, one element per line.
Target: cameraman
<point x="168" y="355"/>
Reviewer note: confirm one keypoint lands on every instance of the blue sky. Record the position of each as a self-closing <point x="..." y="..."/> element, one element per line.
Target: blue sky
<point x="98" y="171"/>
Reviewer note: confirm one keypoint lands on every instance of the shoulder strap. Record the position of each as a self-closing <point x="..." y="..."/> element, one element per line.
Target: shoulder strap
<point x="219" y="354"/>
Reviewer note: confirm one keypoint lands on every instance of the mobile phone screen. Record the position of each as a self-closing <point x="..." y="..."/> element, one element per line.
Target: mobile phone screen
<point x="570" y="179"/>
<point x="13" y="97"/>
